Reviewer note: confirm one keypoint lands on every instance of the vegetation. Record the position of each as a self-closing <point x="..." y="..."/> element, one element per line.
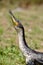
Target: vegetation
<point x="21" y="3"/>
<point x="11" y="56"/>
<point x="32" y="20"/>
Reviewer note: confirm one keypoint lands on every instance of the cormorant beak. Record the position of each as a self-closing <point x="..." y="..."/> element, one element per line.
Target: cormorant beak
<point x="14" y="20"/>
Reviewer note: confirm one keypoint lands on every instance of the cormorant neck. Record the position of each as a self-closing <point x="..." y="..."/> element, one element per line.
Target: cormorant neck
<point x="21" y="35"/>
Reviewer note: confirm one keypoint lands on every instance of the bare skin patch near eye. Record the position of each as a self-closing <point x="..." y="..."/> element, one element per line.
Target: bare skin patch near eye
<point x="15" y="22"/>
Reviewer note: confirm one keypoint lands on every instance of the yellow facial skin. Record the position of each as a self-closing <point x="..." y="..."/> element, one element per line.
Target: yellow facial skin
<point x="14" y="22"/>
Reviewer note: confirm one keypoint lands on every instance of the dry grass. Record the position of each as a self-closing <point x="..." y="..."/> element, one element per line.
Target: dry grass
<point x="32" y="20"/>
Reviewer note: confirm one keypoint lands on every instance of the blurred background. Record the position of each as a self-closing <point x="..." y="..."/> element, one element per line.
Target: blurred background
<point x="19" y="3"/>
<point x="30" y="13"/>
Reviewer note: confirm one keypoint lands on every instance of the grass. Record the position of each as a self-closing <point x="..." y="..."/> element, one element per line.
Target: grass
<point x="32" y="20"/>
<point x="10" y="56"/>
<point x="1" y="30"/>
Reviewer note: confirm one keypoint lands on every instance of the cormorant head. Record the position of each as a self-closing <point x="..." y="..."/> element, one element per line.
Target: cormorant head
<point x="16" y="23"/>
